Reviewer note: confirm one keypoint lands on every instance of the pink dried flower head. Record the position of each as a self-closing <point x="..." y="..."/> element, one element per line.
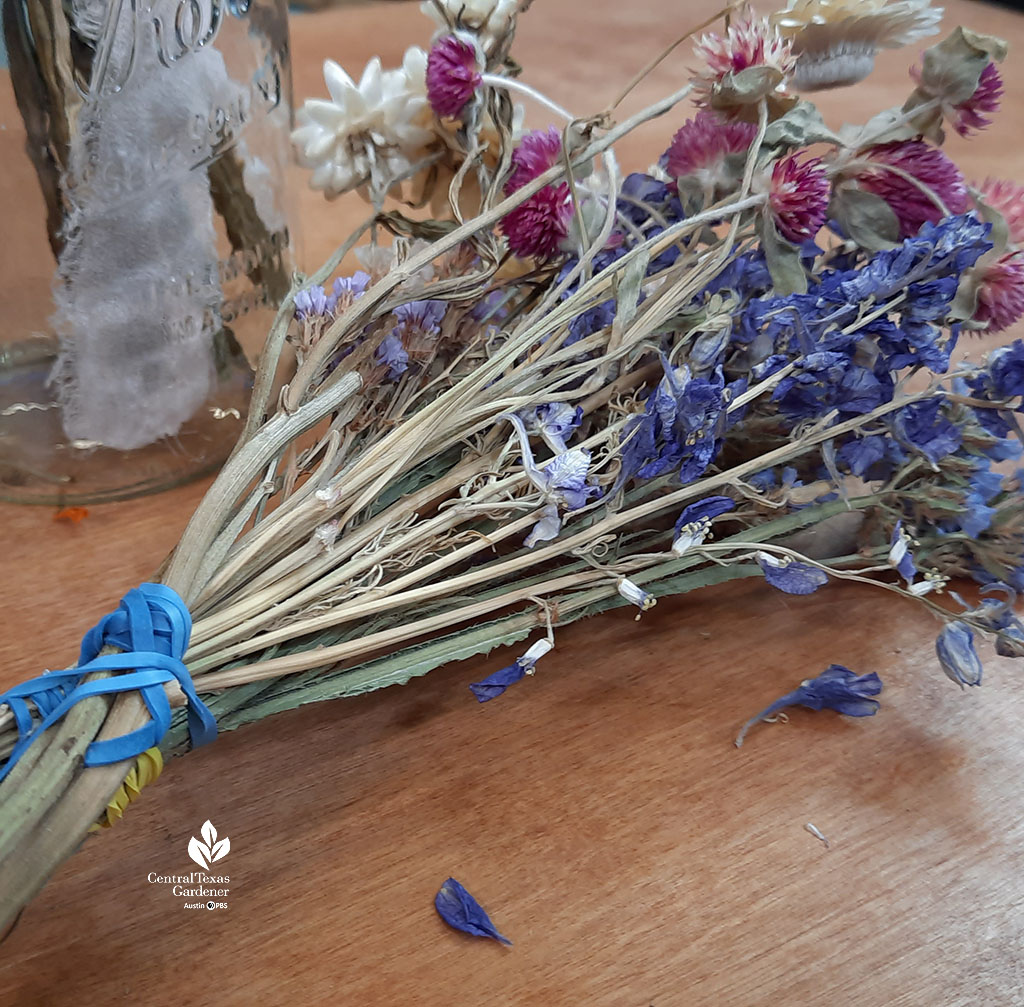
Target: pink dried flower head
<point x="540" y="225"/>
<point x="701" y="145"/>
<point x="453" y="75"/>
<point x="1008" y="198"/>
<point x="972" y="115"/>
<point x="798" y="197"/>
<point x="750" y="41"/>
<point x="538" y="150"/>
<point x="903" y="173"/>
<point x="1001" y="292"/>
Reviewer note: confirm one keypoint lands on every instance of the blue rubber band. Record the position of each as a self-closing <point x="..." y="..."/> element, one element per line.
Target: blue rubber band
<point x="151" y="628"/>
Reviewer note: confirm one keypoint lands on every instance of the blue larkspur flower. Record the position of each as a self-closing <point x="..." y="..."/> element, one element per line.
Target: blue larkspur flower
<point x="956" y="653"/>
<point x="823" y="381"/>
<point x="564" y="478"/>
<point x="919" y="277"/>
<point x="554" y="422"/>
<point x="873" y="457"/>
<point x="694" y="524"/>
<point x="900" y="556"/>
<point x="790" y="575"/>
<point x="836" y="688"/>
<point x="680" y="427"/>
<point x="924" y="427"/>
<point x="1005" y="367"/>
<point x="462" y="912"/>
<point x="983" y="486"/>
<point x="546" y="528"/>
<point x="997" y="615"/>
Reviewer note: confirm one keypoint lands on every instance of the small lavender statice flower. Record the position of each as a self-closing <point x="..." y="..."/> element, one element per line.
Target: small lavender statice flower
<point x="462" y="912"/>
<point x="497" y="682"/>
<point x="453" y="74"/>
<point x="956" y="653"/>
<point x="393" y="355"/>
<point x="790" y="575"/>
<point x="836" y="688"/>
<point x="311" y="303"/>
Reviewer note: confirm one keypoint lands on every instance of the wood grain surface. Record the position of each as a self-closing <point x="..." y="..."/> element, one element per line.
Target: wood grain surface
<point x="599" y="810"/>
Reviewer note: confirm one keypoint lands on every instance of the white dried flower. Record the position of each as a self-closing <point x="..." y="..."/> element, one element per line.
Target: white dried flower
<point x="836" y="40"/>
<point x="491" y="20"/>
<point x="370" y="133"/>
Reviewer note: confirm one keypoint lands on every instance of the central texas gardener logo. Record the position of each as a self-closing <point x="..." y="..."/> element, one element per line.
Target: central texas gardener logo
<point x="206" y="852"/>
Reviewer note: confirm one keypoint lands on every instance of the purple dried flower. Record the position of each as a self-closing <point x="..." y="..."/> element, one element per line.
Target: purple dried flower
<point x="393" y="355"/>
<point x="311" y="303"/>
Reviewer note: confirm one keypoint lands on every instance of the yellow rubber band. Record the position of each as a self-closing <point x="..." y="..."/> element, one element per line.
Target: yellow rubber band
<point x="146" y="769"/>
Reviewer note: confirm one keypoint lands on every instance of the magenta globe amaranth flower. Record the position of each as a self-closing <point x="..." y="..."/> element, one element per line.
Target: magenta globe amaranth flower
<point x="916" y="179"/>
<point x="750" y="41"/>
<point x="538" y="227"/>
<point x="1008" y="198"/>
<point x="972" y="115"/>
<point x="798" y="197"/>
<point x="1001" y="292"/>
<point x="701" y="145"/>
<point x="453" y="75"/>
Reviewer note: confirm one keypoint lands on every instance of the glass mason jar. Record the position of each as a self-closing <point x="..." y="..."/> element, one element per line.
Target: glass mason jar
<point x="144" y="147"/>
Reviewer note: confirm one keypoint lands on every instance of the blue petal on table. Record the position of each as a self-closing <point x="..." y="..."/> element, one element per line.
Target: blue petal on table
<point x="460" y="910"/>
<point x="791" y="576"/>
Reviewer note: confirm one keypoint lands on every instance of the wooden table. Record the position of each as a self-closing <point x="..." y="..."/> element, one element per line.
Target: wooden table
<point x="599" y="811"/>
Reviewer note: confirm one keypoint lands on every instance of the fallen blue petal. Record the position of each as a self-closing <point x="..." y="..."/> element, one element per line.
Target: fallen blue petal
<point x="791" y="576"/>
<point x="460" y="910"/>
<point x="836" y="688"/>
<point x="496" y="683"/>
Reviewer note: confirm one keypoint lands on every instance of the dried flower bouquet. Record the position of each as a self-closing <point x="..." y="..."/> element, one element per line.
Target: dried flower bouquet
<point x="553" y="389"/>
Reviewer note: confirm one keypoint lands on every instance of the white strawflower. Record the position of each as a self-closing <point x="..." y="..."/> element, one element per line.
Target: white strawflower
<point x="491" y="20"/>
<point x="370" y="133"/>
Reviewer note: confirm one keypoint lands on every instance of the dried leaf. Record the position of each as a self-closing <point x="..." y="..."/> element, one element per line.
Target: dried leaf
<point x="782" y="259"/>
<point x="866" y="218"/>
<point x="800" y="126"/>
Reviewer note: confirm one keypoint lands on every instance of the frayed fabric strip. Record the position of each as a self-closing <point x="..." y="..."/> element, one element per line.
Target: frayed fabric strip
<point x="151" y="628"/>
